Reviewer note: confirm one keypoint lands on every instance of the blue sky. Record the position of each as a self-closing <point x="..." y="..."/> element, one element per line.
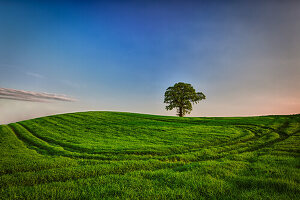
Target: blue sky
<point x="112" y="55"/>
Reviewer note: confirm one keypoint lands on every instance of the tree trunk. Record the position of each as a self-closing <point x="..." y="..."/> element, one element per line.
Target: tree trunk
<point x="180" y="112"/>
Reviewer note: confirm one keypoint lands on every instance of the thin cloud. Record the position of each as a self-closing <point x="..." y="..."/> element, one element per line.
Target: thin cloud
<point x="22" y="95"/>
<point x="36" y="75"/>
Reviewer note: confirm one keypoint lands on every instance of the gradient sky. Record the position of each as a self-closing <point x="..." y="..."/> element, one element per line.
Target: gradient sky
<point x="243" y="55"/>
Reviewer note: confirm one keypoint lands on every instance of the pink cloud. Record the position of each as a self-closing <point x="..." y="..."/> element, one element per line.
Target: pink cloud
<point x="22" y="95"/>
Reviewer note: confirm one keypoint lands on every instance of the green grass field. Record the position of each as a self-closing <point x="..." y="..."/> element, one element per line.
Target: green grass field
<point x="111" y="155"/>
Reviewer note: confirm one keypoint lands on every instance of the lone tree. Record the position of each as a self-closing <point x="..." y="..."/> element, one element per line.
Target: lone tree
<point x="181" y="96"/>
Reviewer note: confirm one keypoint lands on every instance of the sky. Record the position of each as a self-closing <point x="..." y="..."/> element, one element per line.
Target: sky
<point x="69" y="56"/>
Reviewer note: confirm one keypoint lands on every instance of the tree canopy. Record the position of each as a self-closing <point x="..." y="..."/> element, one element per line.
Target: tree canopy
<point x="181" y="96"/>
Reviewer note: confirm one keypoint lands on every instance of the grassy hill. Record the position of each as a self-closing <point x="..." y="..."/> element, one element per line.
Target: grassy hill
<point x="103" y="155"/>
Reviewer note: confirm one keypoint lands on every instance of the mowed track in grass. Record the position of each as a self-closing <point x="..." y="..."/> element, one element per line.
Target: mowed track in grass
<point x="104" y="155"/>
